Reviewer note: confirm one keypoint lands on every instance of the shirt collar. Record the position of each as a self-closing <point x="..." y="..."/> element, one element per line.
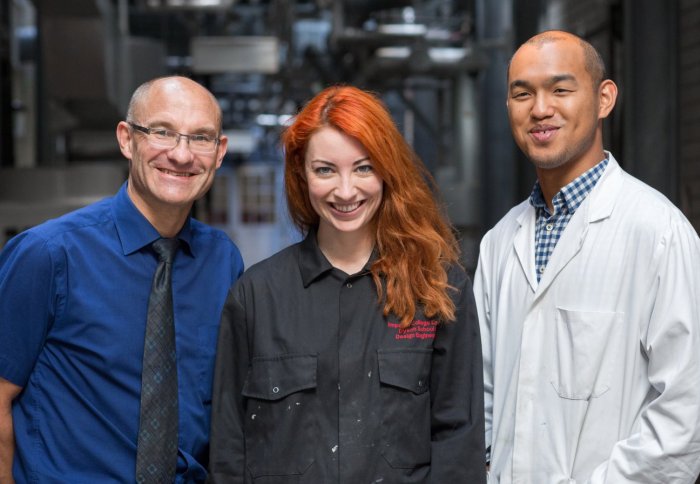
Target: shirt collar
<point x="135" y="231"/>
<point x="570" y="197"/>
<point x="313" y="264"/>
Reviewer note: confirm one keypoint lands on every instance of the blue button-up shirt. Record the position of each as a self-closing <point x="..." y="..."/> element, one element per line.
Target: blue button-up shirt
<point x="72" y="319"/>
<point x="551" y="224"/>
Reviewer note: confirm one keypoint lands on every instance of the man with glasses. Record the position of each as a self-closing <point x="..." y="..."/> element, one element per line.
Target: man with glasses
<point x="78" y="321"/>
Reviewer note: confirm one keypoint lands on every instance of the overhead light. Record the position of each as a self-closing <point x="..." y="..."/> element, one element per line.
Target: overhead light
<point x="189" y="4"/>
<point x="210" y="3"/>
<point x="394" y="52"/>
<point x="273" y="119"/>
<point x="411" y="30"/>
<point x="447" y="54"/>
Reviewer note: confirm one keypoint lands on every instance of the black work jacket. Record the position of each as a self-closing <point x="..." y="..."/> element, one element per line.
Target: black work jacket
<point x="313" y="385"/>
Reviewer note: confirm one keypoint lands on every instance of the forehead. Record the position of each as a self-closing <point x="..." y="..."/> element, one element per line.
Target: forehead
<point x="533" y="62"/>
<point x="329" y="143"/>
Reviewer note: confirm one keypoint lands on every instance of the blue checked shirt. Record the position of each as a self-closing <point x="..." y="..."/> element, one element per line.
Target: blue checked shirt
<point x="550" y="225"/>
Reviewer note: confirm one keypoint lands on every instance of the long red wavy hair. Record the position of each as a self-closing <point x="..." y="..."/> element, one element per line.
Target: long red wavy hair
<point x="414" y="241"/>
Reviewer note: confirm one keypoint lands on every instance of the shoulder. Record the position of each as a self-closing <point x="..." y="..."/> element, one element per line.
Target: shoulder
<point x="89" y="216"/>
<point x="641" y="219"/>
<point x="457" y="276"/>
<point x="645" y="209"/>
<point x="44" y="247"/>
<point x="210" y="236"/>
<point x="510" y="221"/>
<point x="276" y="265"/>
<point x="55" y="234"/>
<point x="501" y="235"/>
<point x="216" y="245"/>
<point x="270" y="278"/>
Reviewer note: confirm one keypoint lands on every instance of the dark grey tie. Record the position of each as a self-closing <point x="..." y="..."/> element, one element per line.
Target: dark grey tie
<point x="156" y="456"/>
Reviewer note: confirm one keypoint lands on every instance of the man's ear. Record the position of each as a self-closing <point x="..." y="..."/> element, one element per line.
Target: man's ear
<point x="607" y="95"/>
<point x="124" y="135"/>
<point x="221" y="150"/>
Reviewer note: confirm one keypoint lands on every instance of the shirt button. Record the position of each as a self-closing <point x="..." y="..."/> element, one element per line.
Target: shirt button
<point x="275" y="390"/>
<point x="349" y="284"/>
<point x="541" y="269"/>
<point x="549" y="227"/>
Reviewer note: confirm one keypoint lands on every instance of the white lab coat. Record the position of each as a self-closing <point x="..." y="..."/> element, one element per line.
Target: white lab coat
<point x="593" y="375"/>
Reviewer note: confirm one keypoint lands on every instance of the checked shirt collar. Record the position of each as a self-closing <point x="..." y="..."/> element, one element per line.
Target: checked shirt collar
<point x="550" y="225"/>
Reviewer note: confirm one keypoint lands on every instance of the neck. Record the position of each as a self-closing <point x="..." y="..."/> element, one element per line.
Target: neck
<point x="348" y="252"/>
<point x="554" y="179"/>
<point x="166" y="219"/>
<point x="168" y="227"/>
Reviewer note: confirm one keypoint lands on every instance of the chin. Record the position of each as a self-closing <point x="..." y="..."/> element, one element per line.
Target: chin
<point x="548" y="162"/>
<point x="349" y="229"/>
<point x="177" y="201"/>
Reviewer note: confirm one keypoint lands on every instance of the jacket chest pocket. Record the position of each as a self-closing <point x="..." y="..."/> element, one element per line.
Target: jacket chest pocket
<point x="585" y="345"/>
<point x="404" y="375"/>
<point x="280" y="426"/>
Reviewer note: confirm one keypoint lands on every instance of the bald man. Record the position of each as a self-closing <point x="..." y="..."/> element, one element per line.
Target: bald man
<point x="75" y="295"/>
<point x="588" y="296"/>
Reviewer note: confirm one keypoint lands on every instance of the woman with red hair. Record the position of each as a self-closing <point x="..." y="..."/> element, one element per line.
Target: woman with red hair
<point x="354" y="355"/>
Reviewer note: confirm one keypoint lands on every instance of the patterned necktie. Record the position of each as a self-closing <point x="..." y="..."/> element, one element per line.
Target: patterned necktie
<point x="156" y="456"/>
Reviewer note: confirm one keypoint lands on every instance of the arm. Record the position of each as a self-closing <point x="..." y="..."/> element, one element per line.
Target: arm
<point x="26" y="310"/>
<point x="666" y="446"/>
<point x="8" y="392"/>
<point x="456" y="392"/>
<point x="227" y="448"/>
<point x="484" y="313"/>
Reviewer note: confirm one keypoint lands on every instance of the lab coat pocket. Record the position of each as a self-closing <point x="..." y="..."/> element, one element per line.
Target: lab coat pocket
<point x="585" y="345"/>
<point x="280" y="425"/>
<point x="404" y="375"/>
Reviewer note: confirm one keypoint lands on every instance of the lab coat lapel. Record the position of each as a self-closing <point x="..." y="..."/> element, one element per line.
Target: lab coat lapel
<point x="596" y="208"/>
<point x="568" y="246"/>
<point x="524" y="245"/>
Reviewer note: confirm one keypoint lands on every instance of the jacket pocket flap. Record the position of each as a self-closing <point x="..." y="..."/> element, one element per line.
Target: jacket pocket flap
<point x="273" y="378"/>
<point x="406" y="368"/>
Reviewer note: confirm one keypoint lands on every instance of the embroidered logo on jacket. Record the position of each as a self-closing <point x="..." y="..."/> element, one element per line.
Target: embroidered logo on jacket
<point x="417" y="330"/>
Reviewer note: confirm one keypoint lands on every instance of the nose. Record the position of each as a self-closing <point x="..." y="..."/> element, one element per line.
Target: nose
<point x="181" y="151"/>
<point x="346" y="187"/>
<point x="542" y="107"/>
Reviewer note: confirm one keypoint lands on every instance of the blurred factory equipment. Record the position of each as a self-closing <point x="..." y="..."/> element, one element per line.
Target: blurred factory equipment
<point x="76" y="64"/>
<point x="29" y="196"/>
<point x="67" y="70"/>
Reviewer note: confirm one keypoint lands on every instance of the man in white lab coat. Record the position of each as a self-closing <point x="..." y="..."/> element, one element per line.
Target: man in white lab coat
<point x="588" y="295"/>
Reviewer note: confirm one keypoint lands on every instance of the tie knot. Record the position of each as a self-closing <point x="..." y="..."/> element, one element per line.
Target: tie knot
<point x="166" y="248"/>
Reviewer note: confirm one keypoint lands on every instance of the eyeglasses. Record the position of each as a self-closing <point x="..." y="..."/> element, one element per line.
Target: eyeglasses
<point x="169" y="139"/>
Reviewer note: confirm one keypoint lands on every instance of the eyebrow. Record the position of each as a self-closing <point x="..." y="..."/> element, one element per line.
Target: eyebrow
<point x="356" y="162"/>
<point x="550" y="82"/>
